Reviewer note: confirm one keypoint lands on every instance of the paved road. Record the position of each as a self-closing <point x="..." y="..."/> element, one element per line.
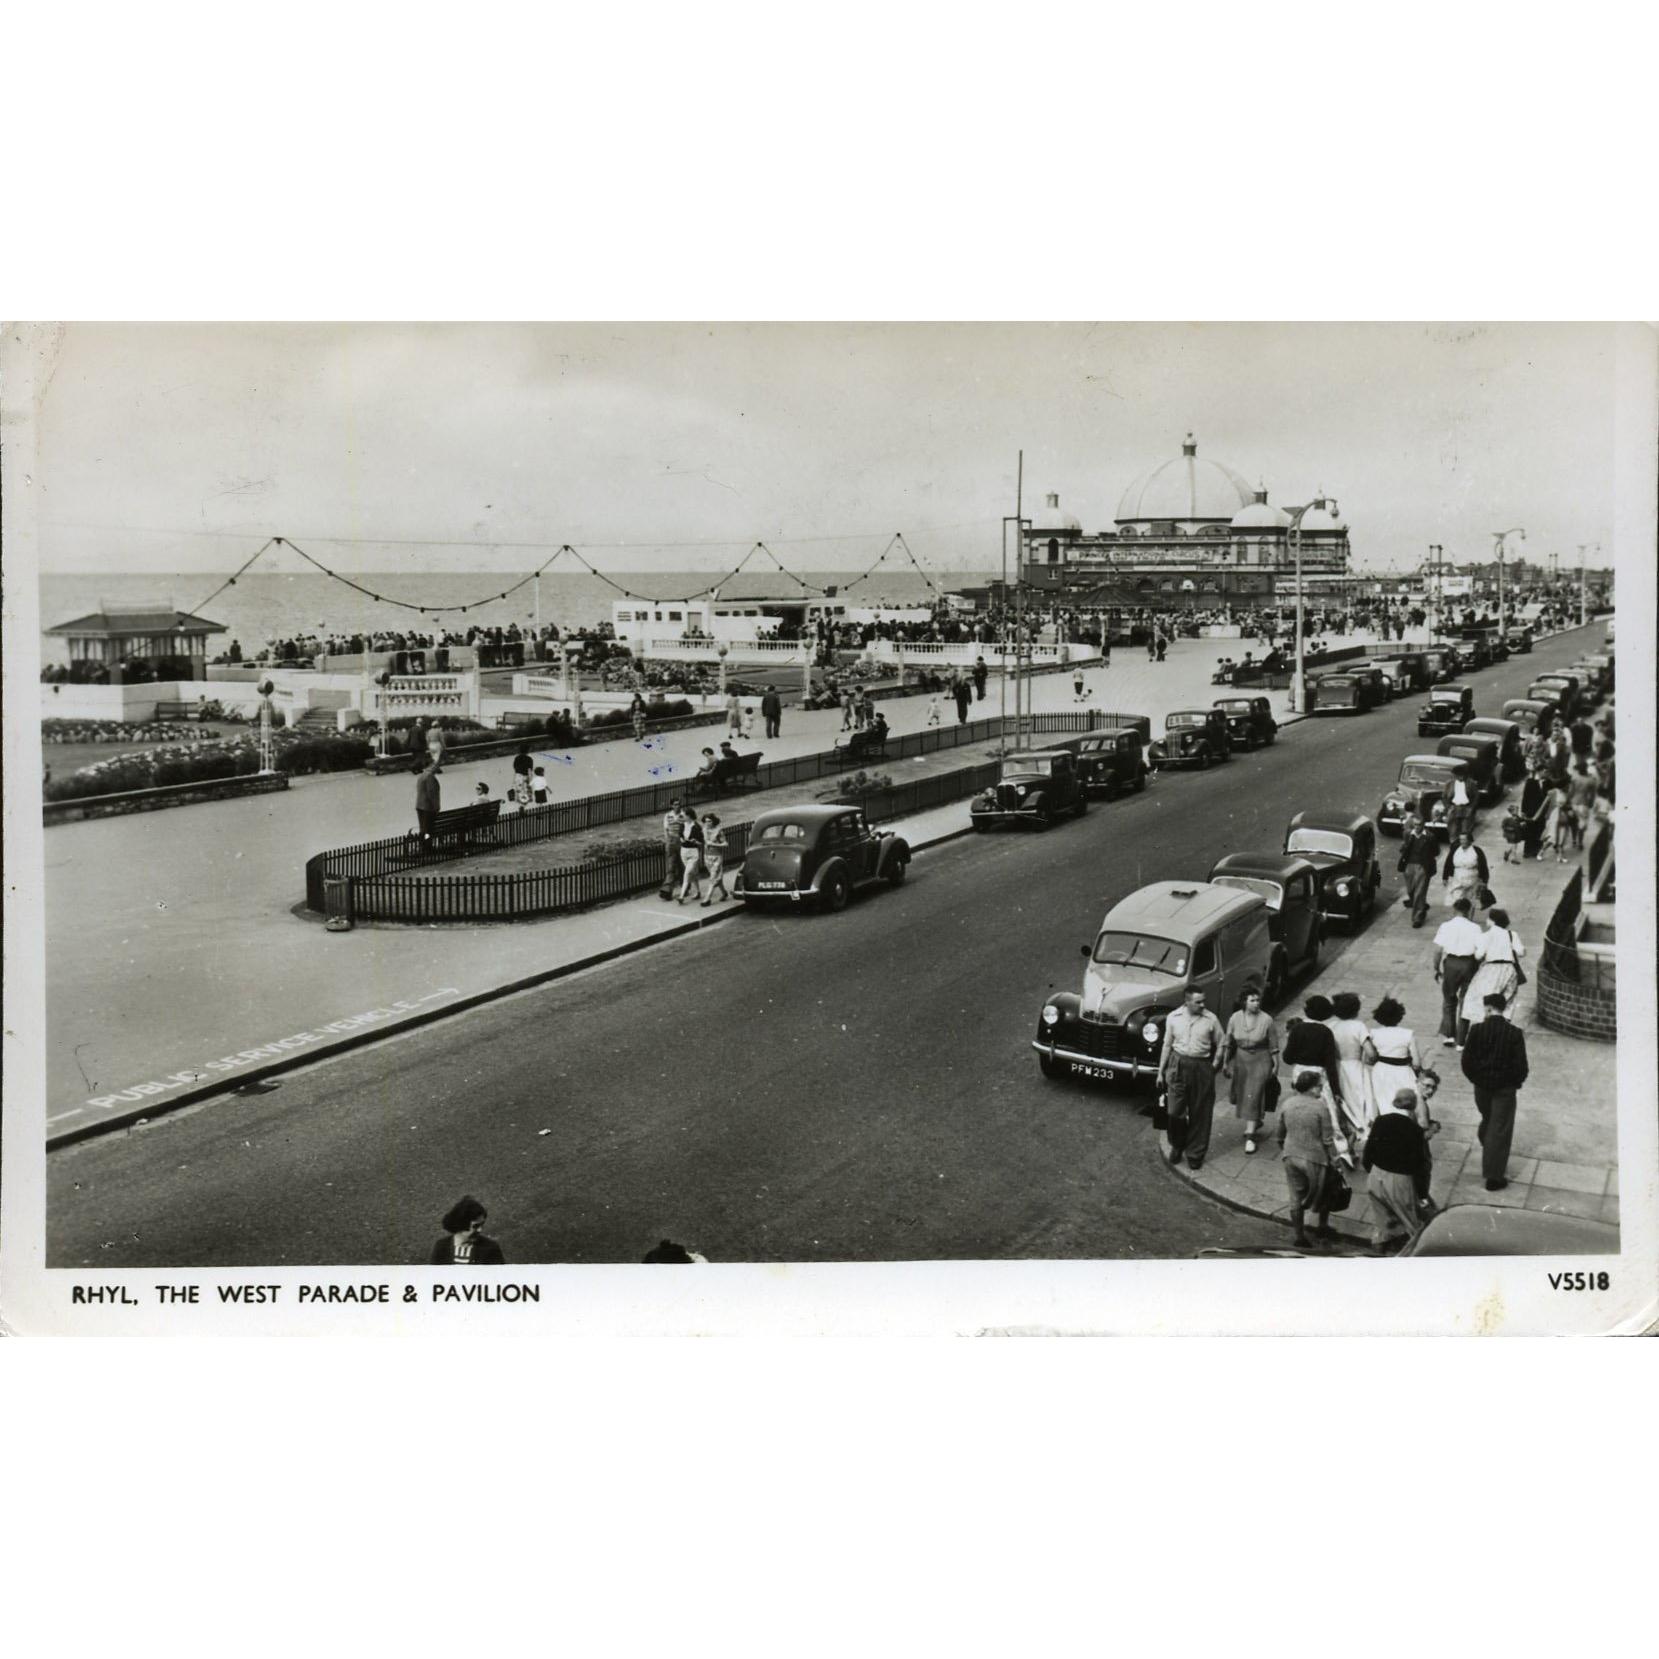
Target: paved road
<point x="838" y="1088"/>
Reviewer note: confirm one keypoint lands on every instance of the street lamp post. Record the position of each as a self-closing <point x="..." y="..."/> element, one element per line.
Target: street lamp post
<point x="1298" y="681"/>
<point x="1583" y="605"/>
<point x="1438" y="589"/>
<point x="1500" y="537"/>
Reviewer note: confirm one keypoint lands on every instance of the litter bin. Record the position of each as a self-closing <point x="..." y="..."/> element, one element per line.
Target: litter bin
<point x="337" y="903"/>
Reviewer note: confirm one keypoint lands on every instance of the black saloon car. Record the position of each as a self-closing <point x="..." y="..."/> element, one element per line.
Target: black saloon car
<point x="1250" y="720"/>
<point x="1195" y="737"/>
<point x="1111" y="761"/>
<point x="1449" y="709"/>
<point x="1342" y="848"/>
<point x="1039" y="787"/>
<point x="1485" y="757"/>
<point x="1290" y="885"/>
<point x="1424" y="787"/>
<point x="816" y="855"/>
<point x="1343" y="694"/>
<point x="1511" y="749"/>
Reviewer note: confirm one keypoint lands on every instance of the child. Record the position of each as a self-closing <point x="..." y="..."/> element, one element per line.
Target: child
<point x="933" y="710"/>
<point x="748" y="730"/>
<point x="1513" y="834"/>
<point x="538" y="786"/>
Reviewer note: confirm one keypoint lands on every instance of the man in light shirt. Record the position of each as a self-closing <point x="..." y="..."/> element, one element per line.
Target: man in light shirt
<point x="1194" y="1043"/>
<point x="1457" y="946"/>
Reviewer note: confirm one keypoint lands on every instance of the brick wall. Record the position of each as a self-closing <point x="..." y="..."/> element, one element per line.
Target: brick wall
<point x="1587" y="1011"/>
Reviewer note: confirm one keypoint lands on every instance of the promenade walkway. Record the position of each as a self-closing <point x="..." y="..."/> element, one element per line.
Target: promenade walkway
<point x="1565" y="1153"/>
<point x="173" y="943"/>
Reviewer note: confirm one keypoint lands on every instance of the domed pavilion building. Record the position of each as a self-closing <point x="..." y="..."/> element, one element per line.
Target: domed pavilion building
<point x="1190" y="532"/>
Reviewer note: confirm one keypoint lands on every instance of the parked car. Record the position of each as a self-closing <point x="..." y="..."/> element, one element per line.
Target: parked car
<point x="1195" y="737"/>
<point x="1602" y="662"/>
<point x="1342" y="848"/>
<point x="1532" y="714"/>
<point x="1039" y="786"/>
<point x="1485" y="758"/>
<point x="1509" y="1230"/>
<point x="1591" y="685"/>
<point x="1114" y="760"/>
<point x="1563" y="688"/>
<point x="1342" y="693"/>
<point x="1452" y="660"/>
<point x="816" y="855"/>
<point x="1250" y="720"/>
<point x="1481" y="646"/>
<point x="1511" y="750"/>
<point x="1449" y="709"/>
<point x="1518" y="640"/>
<point x="1424" y="787"/>
<point x="1416" y="666"/>
<point x="1391" y="675"/>
<point x="1289" y="885"/>
<point x="1151" y="948"/>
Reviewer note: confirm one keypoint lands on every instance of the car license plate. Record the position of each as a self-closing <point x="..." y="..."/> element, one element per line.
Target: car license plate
<point x="1085" y="1069"/>
<point x="771" y="885"/>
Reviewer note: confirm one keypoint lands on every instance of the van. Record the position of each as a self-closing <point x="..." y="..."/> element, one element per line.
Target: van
<point x="1152" y="948"/>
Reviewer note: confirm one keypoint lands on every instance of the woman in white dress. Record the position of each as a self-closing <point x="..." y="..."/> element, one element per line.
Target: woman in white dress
<point x="1390" y="1050"/>
<point x="1358" y="1108"/>
<point x="1499" y="953"/>
<point x="1464" y="872"/>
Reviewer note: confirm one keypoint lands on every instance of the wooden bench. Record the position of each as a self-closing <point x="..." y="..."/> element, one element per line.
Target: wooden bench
<point x="727" y="774"/>
<point x="865" y="745"/>
<point x="178" y="711"/>
<point x="465" y="824"/>
<point x="516" y="719"/>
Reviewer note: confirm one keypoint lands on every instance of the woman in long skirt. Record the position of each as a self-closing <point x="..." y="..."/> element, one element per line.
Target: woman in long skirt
<point x="1501" y="951"/>
<point x="1252" y="1049"/>
<point x="1350" y="1031"/>
<point x="1464" y="872"/>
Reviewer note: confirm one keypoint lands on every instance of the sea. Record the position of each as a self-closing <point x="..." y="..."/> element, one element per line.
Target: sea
<point x="261" y="607"/>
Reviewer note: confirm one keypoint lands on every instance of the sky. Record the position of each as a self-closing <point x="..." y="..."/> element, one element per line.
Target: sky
<point x="179" y="447"/>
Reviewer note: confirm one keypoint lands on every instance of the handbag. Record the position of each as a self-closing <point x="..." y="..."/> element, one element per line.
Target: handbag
<point x="1270" y="1095"/>
<point x="1485" y="897"/>
<point x="1338" y="1195"/>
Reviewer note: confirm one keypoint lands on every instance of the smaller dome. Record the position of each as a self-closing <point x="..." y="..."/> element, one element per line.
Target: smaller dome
<point x="1318" y="517"/>
<point x="1259" y="516"/>
<point x="1050" y="521"/>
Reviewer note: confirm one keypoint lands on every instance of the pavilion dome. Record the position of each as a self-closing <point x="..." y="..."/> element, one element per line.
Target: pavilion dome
<point x="1188" y="487"/>
<point x="1050" y="521"/>
<point x="1259" y="516"/>
<point x="1322" y="515"/>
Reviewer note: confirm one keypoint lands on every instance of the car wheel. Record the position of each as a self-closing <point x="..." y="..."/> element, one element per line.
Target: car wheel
<point x="1052" y="1067"/>
<point x="1204" y="761"/>
<point x="836" y="891"/>
<point x="1140" y="781"/>
<point x="895" y="871"/>
<point x="1082" y="805"/>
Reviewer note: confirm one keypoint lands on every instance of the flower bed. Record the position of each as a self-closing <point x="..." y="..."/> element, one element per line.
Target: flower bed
<point x="296" y="754"/>
<point x="121" y="731"/>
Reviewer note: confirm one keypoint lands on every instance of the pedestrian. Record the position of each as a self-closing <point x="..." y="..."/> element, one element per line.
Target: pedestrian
<point x="1391" y="1052"/>
<point x="1163" y="646"/>
<point x="1495" y="1062"/>
<point x="1535" y="807"/>
<point x="636" y="713"/>
<point x="1077" y="684"/>
<point x="1465" y="872"/>
<point x="933" y="709"/>
<point x="849" y="709"/>
<point x="538" y="786"/>
<point x="982" y="673"/>
<point x="1194" y="1043"/>
<point x="1309" y="1042"/>
<point x="1308" y="1153"/>
<point x="523" y="765"/>
<point x="714" y="857"/>
<point x="963" y="698"/>
<point x="1581" y="800"/>
<point x="1419" y="858"/>
<point x="771" y="711"/>
<point x="428" y="792"/>
<point x="1498" y="968"/>
<point x="1152" y="643"/>
<point x="691" y="858"/>
<point x="1397" y="1167"/>
<point x="673" y="821"/>
<point x="734" y="714"/>
<point x="465" y="1244"/>
<point x="748" y="728"/>
<point x="1460" y="815"/>
<point x="671" y="1254"/>
<point x="1561" y="817"/>
<point x="1350" y="1032"/>
<point x="1252" y="1050"/>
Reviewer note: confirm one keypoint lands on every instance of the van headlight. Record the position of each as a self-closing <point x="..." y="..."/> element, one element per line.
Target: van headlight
<point x="1051" y="1014"/>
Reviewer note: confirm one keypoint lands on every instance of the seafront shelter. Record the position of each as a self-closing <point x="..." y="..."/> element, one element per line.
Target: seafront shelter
<point x="129" y="645"/>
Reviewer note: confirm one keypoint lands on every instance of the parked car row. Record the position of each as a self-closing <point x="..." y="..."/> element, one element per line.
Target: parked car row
<point x="1255" y="924"/>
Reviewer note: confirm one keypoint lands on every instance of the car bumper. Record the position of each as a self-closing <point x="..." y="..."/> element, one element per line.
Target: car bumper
<point x="1090" y="1065"/>
<point x="1002" y="815"/>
